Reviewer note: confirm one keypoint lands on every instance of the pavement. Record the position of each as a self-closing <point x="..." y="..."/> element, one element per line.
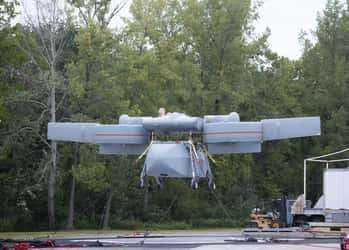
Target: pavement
<point x="208" y="241"/>
<point x="273" y="247"/>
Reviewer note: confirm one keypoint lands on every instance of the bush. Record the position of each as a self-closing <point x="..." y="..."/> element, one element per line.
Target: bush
<point x="7" y="224"/>
<point x="127" y="224"/>
<point x="173" y="225"/>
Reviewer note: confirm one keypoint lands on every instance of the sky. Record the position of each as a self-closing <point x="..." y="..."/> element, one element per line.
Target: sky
<point x="286" y="19"/>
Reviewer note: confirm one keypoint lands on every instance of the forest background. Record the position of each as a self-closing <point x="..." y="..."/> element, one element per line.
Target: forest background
<point x="198" y="57"/>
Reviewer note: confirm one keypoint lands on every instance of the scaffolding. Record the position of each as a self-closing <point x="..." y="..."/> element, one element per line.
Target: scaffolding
<point x="321" y="159"/>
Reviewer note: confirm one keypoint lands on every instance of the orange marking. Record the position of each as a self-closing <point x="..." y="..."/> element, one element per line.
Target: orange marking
<point x="232" y="132"/>
<point x="113" y="134"/>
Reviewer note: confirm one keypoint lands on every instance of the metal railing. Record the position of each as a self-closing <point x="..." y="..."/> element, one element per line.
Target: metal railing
<point x="321" y="159"/>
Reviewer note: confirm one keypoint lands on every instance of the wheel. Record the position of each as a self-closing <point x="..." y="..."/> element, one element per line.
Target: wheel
<point x="160" y="187"/>
<point x="212" y="186"/>
<point x="299" y="220"/>
<point x="195" y="185"/>
<point x="317" y="218"/>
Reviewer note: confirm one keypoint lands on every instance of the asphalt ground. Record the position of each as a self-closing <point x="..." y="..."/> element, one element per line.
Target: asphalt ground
<point x="209" y="240"/>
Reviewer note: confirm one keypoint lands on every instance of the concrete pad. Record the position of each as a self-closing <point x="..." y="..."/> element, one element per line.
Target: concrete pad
<point x="272" y="247"/>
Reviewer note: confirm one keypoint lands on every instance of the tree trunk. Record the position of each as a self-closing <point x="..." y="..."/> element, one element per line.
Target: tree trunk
<point x="53" y="166"/>
<point x="70" y="221"/>
<point x="146" y="195"/>
<point x="107" y="210"/>
<point x="48" y="40"/>
<point x="52" y="187"/>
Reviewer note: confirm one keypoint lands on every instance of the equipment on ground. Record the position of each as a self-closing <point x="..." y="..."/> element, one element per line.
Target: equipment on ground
<point x="272" y="214"/>
<point x="265" y="220"/>
<point x="345" y="242"/>
<point x="212" y="134"/>
<point x="332" y="208"/>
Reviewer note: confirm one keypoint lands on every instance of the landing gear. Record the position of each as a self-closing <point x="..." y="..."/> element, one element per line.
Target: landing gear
<point x="141" y="183"/>
<point x="159" y="182"/>
<point x="142" y="177"/>
<point x="195" y="185"/>
<point x="194" y="167"/>
<point x="210" y="180"/>
<point x="299" y="220"/>
<point x="212" y="186"/>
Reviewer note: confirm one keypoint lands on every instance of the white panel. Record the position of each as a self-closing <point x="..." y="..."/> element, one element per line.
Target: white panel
<point x="336" y="188"/>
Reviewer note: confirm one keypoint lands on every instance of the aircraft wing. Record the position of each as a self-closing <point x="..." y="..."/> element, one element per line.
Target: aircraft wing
<point x="113" y="139"/>
<point x="247" y="137"/>
<point x="221" y="134"/>
<point x="276" y="129"/>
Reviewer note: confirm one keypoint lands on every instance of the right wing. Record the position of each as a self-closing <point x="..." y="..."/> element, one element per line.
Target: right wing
<point x="247" y="137"/>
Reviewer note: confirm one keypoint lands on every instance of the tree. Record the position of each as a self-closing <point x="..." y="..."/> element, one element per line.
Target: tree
<point x="218" y="30"/>
<point x="99" y="13"/>
<point x="188" y="55"/>
<point x="325" y="76"/>
<point x="326" y="79"/>
<point x="97" y="92"/>
<point x="43" y="41"/>
<point x="7" y="11"/>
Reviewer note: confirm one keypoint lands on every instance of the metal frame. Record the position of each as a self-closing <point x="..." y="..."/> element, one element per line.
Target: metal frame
<point x="196" y="154"/>
<point x="320" y="160"/>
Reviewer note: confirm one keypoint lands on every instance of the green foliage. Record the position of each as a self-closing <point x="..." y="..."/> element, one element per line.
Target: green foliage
<point x="95" y="83"/>
<point x="7" y="11"/>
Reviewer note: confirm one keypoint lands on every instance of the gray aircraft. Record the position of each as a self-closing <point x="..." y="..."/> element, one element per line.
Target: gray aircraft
<point x="213" y="134"/>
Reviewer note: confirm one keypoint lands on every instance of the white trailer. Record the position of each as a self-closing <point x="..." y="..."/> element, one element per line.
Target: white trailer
<point x="333" y="205"/>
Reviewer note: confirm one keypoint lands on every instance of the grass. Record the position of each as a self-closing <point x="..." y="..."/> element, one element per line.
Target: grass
<point x="45" y="234"/>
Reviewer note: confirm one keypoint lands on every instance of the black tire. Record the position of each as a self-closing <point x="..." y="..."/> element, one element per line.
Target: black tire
<point x="317" y="218"/>
<point x="194" y="185"/>
<point x="299" y="220"/>
<point x="212" y="186"/>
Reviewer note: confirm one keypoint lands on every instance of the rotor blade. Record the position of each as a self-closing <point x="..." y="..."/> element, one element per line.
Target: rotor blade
<point x="275" y="129"/>
<point x="97" y="133"/>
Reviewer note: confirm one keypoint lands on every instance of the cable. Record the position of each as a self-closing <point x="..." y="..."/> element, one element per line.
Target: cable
<point x="223" y="208"/>
<point x="168" y="209"/>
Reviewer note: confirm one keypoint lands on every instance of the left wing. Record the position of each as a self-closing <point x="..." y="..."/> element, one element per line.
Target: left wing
<point x="113" y="139"/>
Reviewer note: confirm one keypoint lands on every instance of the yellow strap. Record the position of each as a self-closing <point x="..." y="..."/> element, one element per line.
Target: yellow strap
<point x="210" y="156"/>
<point x="145" y="152"/>
<point x="194" y="150"/>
